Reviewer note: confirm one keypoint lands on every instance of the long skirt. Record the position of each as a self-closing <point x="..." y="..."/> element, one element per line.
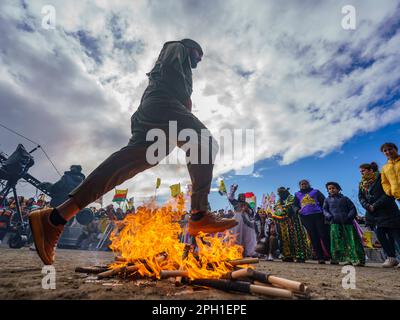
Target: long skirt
<point x="295" y="243"/>
<point x="346" y="244"/>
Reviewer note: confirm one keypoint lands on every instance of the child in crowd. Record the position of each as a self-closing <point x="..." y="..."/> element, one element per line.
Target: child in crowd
<point x="271" y="234"/>
<point x="340" y="212"/>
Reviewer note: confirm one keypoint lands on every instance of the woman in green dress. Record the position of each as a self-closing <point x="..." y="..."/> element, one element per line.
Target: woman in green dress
<point x="340" y="211"/>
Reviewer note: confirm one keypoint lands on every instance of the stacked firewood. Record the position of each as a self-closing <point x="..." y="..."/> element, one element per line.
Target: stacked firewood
<point x="240" y="279"/>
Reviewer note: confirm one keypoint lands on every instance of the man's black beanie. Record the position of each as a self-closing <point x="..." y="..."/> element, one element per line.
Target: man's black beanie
<point x="189" y="43"/>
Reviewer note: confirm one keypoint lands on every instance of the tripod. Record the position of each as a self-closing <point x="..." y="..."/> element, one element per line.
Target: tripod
<point x="12" y="170"/>
<point x="20" y="238"/>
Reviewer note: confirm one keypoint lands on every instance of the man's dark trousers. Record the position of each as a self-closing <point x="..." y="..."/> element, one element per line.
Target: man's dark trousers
<point x="124" y="164"/>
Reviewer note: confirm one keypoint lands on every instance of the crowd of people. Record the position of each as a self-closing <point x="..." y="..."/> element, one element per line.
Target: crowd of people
<point x="308" y="225"/>
<point x="91" y="232"/>
<point x="294" y="228"/>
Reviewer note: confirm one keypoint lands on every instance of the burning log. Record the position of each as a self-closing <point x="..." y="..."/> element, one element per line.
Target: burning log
<point x="297" y="294"/>
<point x="120" y="259"/>
<point x="241" y="286"/>
<point x="243" y="261"/>
<point x="128" y="268"/>
<point x="94" y="270"/>
<point x="173" y="273"/>
<point x="112" y="272"/>
<point x="268" y="279"/>
<point x="182" y="273"/>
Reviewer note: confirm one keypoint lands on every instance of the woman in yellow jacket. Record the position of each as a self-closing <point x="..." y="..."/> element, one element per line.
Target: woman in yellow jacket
<point x="391" y="170"/>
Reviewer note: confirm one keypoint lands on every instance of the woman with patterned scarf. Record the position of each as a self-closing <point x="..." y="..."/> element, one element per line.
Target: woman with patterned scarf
<point x="295" y="243"/>
<point x="382" y="210"/>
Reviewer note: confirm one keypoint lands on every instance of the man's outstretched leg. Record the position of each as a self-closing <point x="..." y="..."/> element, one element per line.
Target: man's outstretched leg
<point x="48" y="224"/>
<point x="201" y="174"/>
<point x="201" y="219"/>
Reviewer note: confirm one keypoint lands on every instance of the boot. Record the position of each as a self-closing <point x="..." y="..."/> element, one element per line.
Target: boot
<point x="45" y="234"/>
<point x="209" y="223"/>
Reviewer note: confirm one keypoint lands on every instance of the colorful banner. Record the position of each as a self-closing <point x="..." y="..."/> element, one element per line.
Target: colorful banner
<point x="120" y="195"/>
<point x="250" y="198"/>
<point x="222" y="188"/>
<point x="272" y="198"/>
<point x="264" y="201"/>
<point x="175" y="189"/>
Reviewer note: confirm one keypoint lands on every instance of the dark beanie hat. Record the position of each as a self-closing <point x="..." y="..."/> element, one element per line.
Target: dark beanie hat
<point x="76" y="167"/>
<point x="282" y="189"/>
<point x="335" y="184"/>
<point x="189" y="43"/>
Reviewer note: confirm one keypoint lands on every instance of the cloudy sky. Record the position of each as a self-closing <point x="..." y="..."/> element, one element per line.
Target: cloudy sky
<point x="290" y="71"/>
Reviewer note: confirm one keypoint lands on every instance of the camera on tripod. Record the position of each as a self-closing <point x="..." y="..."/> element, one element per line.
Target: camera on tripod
<point x="12" y="170"/>
<point x="16" y="167"/>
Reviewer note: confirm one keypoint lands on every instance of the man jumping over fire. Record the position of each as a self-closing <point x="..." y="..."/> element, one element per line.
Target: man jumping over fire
<point x="166" y="98"/>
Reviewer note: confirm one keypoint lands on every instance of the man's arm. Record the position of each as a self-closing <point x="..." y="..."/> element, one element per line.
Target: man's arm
<point x="173" y="73"/>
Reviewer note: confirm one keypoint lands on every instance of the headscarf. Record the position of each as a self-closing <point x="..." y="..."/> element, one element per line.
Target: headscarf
<point x="367" y="180"/>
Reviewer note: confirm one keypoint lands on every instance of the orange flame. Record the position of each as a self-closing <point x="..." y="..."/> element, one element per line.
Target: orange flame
<point x="142" y="237"/>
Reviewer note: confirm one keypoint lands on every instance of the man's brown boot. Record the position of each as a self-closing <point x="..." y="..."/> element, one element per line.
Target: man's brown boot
<point x="209" y="223"/>
<point x="45" y="234"/>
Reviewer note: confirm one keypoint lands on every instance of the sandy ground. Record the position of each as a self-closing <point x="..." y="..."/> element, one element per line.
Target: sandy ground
<point x="21" y="278"/>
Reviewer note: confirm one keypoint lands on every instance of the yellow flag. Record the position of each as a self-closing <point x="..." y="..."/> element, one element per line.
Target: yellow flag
<point x="222" y="188"/>
<point x="368" y="239"/>
<point x="158" y="183"/>
<point x="175" y="189"/>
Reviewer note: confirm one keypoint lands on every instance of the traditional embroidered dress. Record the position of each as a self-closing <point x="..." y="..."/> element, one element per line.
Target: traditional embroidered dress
<point x="294" y="238"/>
<point x="346" y="245"/>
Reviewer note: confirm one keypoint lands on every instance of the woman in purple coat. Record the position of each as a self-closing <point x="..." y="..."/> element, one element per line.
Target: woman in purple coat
<point x="309" y="204"/>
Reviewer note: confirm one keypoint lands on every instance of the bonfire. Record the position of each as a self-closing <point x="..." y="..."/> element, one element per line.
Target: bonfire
<point x="147" y="245"/>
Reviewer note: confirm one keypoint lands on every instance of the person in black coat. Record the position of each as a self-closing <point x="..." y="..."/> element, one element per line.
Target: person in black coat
<point x="381" y="209"/>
